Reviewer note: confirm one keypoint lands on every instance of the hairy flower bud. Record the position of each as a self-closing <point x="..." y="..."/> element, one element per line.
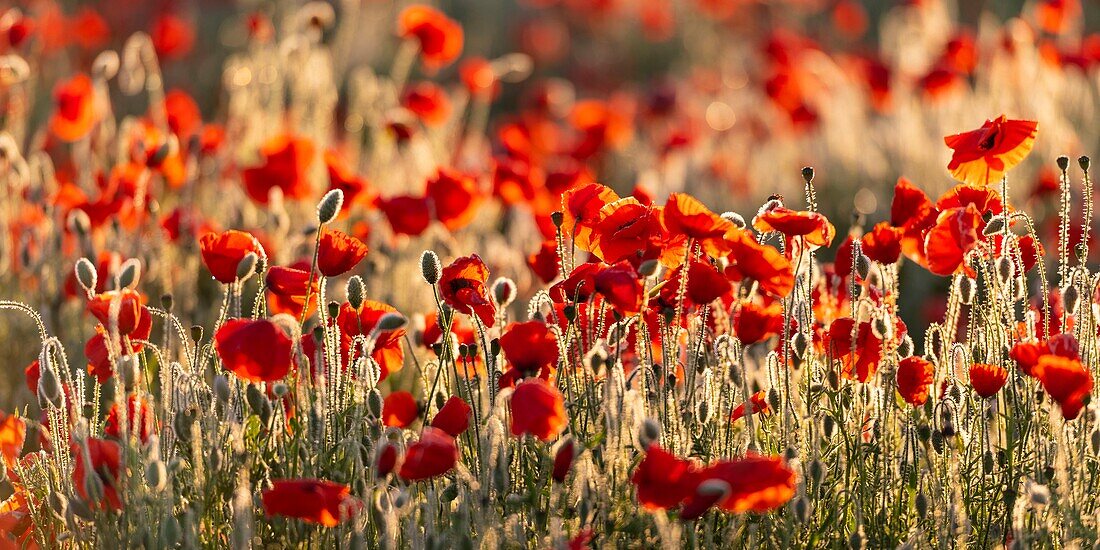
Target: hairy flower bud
<point x="330" y="206"/>
<point x="86" y="275"/>
<point x="391" y="321"/>
<point x="504" y="291"/>
<point x="649" y="432"/>
<point x="247" y="266"/>
<point x="356" y="292"/>
<point x="430" y="268"/>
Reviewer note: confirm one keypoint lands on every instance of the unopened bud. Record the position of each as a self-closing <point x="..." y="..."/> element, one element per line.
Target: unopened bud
<point x="391" y="321"/>
<point x="995" y="225"/>
<point x="330" y="206"/>
<point x="156" y="475"/>
<point x="649" y="432"/>
<point x="86" y="275"/>
<point x="221" y="388"/>
<point x="356" y="292"/>
<point x="1070" y="299"/>
<point x="49" y="389"/>
<point x="504" y="291"/>
<point x="247" y="266"/>
<point x="736" y="219"/>
<point x="430" y="267"/>
<point x="374" y="403"/>
<point x="968" y="287"/>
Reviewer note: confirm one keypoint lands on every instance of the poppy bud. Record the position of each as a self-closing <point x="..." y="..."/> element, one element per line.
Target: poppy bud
<point x="921" y="503"/>
<point x="170" y="532"/>
<point x="1004" y="270"/>
<point x="391" y="321"/>
<point x="563" y="459"/>
<point x="79" y="222"/>
<point x="736" y="219"/>
<point x="333" y="309"/>
<point x="255" y="398"/>
<point x="494" y="347"/>
<point x="799" y="345"/>
<point x="880" y="327"/>
<point x="449" y="493"/>
<point x="221" y="388"/>
<point x="905" y="346"/>
<point x="280" y="389"/>
<point x="156" y="475"/>
<point x="1083" y="162"/>
<point x="649" y="433"/>
<point x="773" y="399"/>
<point x="1070" y="299"/>
<point x="855" y="541"/>
<point x="49" y="389"/>
<point x="57" y="501"/>
<point x="570" y="312"/>
<point x="828" y="425"/>
<point x="808" y="174"/>
<point x="995" y="225"/>
<point x="937" y="441"/>
<point x="833" y="377"/>
<point x="330" y="206"/>
<point x="247" y="266"/>
<point x="863" y="266"/>
<point x="648" y="268"/>
<point x="196" y="333"/>
<point x="355" y="292"/>
<point x="504" y="291"/>
<point x="166" y="301"/>
<point x="86" y="276"/>
<point x="801" y="509"/>
<point x="374" y="403"/>
<point x="967" y="288"/>
<point x="987" y="462"/>
<point x="182" y="422"/>
<point x="817" y="472"/>
<point x="430" y="267"/>
<point x="1063" y="163"/>
<point x="558" y="218"/>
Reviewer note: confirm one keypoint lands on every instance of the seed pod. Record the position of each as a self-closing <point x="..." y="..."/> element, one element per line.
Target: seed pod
<point x="558" y="218"/>
<point x="196" y="333"/>
<point x="1083" y="162"/>
<point x="1063" y="163"/>
<point x="86" y="275"/>
<point x="1094" y="441"/>
<point x="800" y="507"/>
<point x="967" y="287"/>
<point x="247" y="266"/>
<point x="356" y="292"/>
<point x="504" y="291"/>
<point x="648" y="268"/>
<point x="129" y="273"/>
<point x="156" y="475"/>
<point x="333" y="308"/>
<point x="330" y="206"/>
<point x="430" y="268"/>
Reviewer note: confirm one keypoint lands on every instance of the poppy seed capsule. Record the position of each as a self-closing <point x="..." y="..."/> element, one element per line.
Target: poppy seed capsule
<point x="330" y="206"/>
<point x="808" y="174"/>
<point x="247" y="266"/>
<point x="86" y="275"/>
<point x="196" y="333"/>
<point x="558" y="218"/>
<point x="504" y="291"/>
<point x="1063" y="163"/>
<point x="333" y="308"/>
<point x="355" y="292"/>
<point x="1083" y="162"/>
<point x="430" y="267"/>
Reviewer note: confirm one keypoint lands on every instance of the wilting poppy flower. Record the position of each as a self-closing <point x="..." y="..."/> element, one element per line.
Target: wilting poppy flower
<point x="440" y="37"/>
<point x="285" y="164"/>
<point x="1066" y="381"/>
<point x="76" y="113"/>
<point x="338" y="252"/>
<point x="955" y="234"/>
<point x="764" y="264"/>
<point x="139" y="415"/>
<point x="286" y="291"/>
<point x="172" y="36"/>
<point x="663" y="480"/>
<point x="256" y="351"/>
<point x="428" y="102"/>
<point x="756" y="484"/>
<point x="538" y="409"/>
<point x="462" y="285"/>
<point x="530" y="347"/>
<point x="312" y="500"/>
<point x="129" y="310"/>
<point x="408" y="215"/>
<point x="105" y="463"/>
<point x="759" y="402"/>
<point x="685" y="215"/>
<point x="914" y="376"/>
<point x="388" y="351"/>
<point x="223" y="252"/>
<point x="982" y="156"/>
<point x="13" y="433"/>
<point x="455" y="197"/>
<point x="434" y="454"/>
<point x="399" y="409"/>
<point x="883" y="243"/>
<point x="812" y="226"/>
<point x="987" y="379"/>
<point x="454" y="417"/>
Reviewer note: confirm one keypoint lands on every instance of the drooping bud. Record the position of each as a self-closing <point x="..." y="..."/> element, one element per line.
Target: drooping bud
<point x="247" y="266"/>
<point x="330" y="206"/>
<point x="430" y="268"/>
<point x="504" y="291"/>
<point x="49" y="389"/>
<point x="374" y="403"/>
<point x="905" y="347"/>
<point x="391" y="321"/>
<point x="799" y="345"/>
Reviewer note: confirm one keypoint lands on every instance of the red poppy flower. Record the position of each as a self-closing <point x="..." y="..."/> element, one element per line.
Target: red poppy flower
<point x="663" y="480"/>
<point x="388" y="350"/>
<point x="462" y="285"/>
<point x="399" y="410"/>
<point x="1066" y="381"/>
<point x="434" y="454"/>
<point x="754" y="322"/>
<point x="76" y="113"/>
<point x="756" y="484"/>
<point x="338" y="252"/>
<point x="530" y="347"/>
<point x="408" y="215"/>
<point x="105" y="463"/>
<point x="479" y="77"/>
<point x="544" y="263"/>
<point x="129" y="310"/>
<point x="440" y="37"/>
<point x="428" y="102"/>
<point x="812" y="226"/>
<point x="285" y="164"/>
<point x="685" y="215"/>
<point x="883" y="243"/>
<point x="563" y="459"/>
<point x="286" y="291"/>
<point x="312" y="500"/>
<point x="620" y="286"/>
<point x="256" y="351"/>
<point x="627" y="230"/>
<point x="956" y="233"/>
<point x="759" y="402"/>
<point x="764" y="264"/>
<point x="184" y="117"/>
<point x="987" y="379"/>
<point x="982" y="156"/>
<point x="31" y="374"/>
<point x="581" y="207"/>
<point x="454" y="417"/>
<point x="140" y="417"/>
<point x="223" y="252"/>
<point x="913" y="211"/>
<point x="95" y="350"/>
<point x="914" y="377"/>
<point x="13" y="434"/>
<point x="455" y="196"/>
<point x="704" y="285"/>
<point x="1054" y="16"/>
<point x="860" y="358"/>
<point x="538" y="409"/>
<point x="172" y="36"/>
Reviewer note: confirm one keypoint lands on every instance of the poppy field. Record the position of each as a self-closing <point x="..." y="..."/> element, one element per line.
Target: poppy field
<point x="549" y="274"/>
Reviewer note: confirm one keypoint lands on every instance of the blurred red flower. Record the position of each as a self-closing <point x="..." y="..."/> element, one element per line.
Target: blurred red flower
<point x="285" y="162"/>
<point x="286" y="291"/>
<point x="454" y="417"/>
<point x="440" y="38"/>
<point x="256" y="351"/>
<point x="312" y="500"/>
<point x="399" y="410"/>
<point x="434" y="454"/>
<point x="538" y="409"/>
